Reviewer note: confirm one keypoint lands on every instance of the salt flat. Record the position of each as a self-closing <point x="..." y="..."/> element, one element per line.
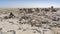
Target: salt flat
<point x="30" y="21"/>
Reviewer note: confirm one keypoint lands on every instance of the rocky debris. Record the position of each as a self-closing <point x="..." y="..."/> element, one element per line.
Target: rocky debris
<point x="24" y="29"/>
<point x="58" y="25"/>
<point x="56" y="18"/>
<point x="5" y="17"/>
<point x="54" y="10"/>
<point x="0" y="28"/>
<point x="47" y="10"/>
<point x="30" y="11"/>
<point x="35" y="22"/>
<point x="11" y="22"/>
<point x="36" y="30"/>
<point x="19" y="28"/>
<point x="37" y="10"/>
<point x="25" y="17"/>
<point x="12" y="32"/>
<point x="45" y="18"/>
<point x="53" y="16"/>
<point x="1" y="32"/>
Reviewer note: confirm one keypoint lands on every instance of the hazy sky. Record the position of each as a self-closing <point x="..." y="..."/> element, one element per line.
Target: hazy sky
<point x="28" y="3"/>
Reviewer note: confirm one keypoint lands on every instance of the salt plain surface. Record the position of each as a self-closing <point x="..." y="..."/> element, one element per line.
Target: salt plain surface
<point x="30" y="21"/>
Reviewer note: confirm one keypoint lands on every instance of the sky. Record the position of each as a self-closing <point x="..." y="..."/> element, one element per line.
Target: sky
<point x="28" y="3"/>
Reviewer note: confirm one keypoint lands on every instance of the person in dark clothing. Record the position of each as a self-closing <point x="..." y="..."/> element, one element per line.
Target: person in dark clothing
<point x="11" y="15"/>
